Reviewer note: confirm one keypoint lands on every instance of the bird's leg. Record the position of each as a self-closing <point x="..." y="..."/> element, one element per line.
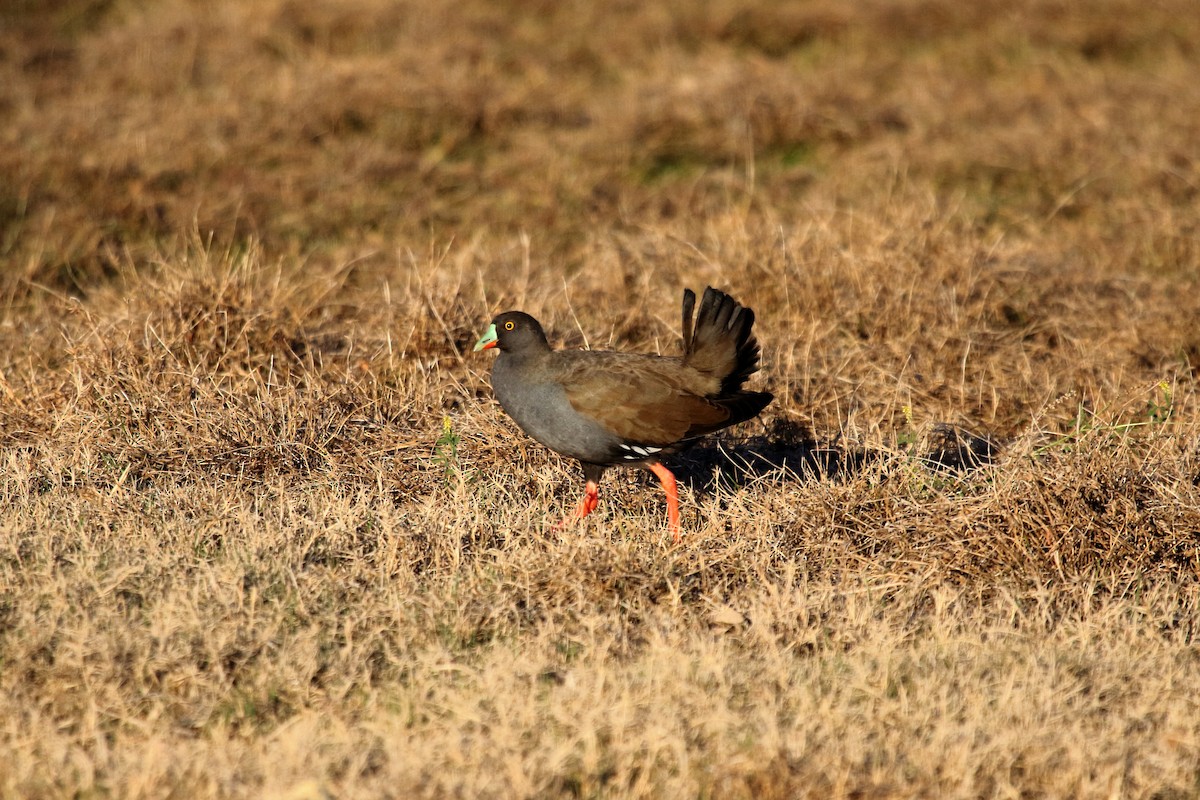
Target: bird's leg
<point x="591" y="499"/>
<point x="672" y="491"/>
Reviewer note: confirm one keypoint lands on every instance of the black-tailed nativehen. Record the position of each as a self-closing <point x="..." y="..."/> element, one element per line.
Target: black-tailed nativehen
<point x="608" y="409"/>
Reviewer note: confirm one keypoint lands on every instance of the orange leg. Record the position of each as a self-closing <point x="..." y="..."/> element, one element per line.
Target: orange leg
<point x="591" y="499"/>
<point x="672" y="491"/>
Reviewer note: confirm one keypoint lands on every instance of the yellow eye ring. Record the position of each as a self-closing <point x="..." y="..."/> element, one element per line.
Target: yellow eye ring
<point x="508" y="326"/>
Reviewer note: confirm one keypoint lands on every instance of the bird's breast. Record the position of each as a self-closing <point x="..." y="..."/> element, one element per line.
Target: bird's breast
<point x="541" y="408"/>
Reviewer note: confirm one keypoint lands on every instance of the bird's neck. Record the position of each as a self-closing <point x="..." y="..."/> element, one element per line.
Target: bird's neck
<point x="528" y="354"/>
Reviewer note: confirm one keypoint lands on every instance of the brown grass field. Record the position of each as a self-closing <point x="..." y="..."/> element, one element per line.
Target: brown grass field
<point x="265" y="533"/>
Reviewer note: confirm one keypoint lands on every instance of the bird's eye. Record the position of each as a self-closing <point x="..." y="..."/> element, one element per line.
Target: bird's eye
<point x="508" y="326"/>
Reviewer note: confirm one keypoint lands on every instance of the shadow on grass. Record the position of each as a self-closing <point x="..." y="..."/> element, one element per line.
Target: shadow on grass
<point x="789" y="452"/>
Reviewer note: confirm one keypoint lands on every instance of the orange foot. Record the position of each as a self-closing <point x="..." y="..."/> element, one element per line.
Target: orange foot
<point x="591" y="499"/>
<point x="672" y="491"/>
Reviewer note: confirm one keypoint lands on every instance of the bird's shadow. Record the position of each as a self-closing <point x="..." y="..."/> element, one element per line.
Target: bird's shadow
<point x="789" y="452"/>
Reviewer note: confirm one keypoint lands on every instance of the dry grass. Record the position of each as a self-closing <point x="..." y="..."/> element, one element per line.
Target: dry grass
<point x="245" y="248"/>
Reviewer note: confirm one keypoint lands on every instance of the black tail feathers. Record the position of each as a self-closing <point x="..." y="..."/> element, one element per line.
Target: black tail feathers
<point x="720" y="344"/>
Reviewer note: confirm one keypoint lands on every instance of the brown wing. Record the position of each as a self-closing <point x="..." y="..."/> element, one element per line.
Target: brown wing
<point x="641" y="399"/>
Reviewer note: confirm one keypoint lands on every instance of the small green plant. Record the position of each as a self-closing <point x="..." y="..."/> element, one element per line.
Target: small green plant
<point x="907" y="438"/>
<point x="445" y="449"/>
<point x="1160" y="408"/>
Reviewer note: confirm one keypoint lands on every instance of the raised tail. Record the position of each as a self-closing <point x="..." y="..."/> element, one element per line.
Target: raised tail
<point x="720" y="343"/>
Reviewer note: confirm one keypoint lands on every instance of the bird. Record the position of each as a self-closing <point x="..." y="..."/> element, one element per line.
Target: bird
<point x="607" y="409"/>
